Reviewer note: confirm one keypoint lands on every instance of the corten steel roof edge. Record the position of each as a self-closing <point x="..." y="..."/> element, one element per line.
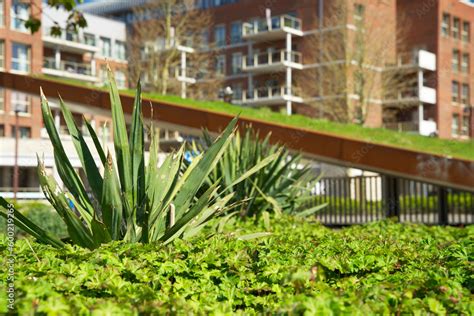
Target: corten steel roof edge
<point x="410" y="164"/>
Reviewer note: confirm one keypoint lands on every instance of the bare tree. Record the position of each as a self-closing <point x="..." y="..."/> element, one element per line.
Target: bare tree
<point x="347" y="77"/>
<point x="163" y="26"/>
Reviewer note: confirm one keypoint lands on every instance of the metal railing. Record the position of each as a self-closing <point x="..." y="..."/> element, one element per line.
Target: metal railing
<point x="21" y="189"/>
<point x="407" y="126"/>
<point x="71" y="37"/>
<point x="363" y="199"/>
<point x="271" y="57"/>
<point x="69" y="66"/>
<point x="276" y="23"/>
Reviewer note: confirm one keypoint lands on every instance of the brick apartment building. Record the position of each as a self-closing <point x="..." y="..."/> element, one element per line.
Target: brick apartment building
<point x="275" y="54"/>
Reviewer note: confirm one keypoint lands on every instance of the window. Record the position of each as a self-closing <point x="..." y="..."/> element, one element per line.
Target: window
<point x="236" y="32"/>
<point x="2" y="13"/>
<point x="236" y="63"/>
<point x="456" y="28"/>
<point x="25" y="132"/>
<point x="103" y="75"/>
<point x="455" y="60"/>
<point x="359" y="11"/>
<point x="465" y="94"/>
<point x="20" y="13"/>
<point x="2" y="130"/>
<point x="120" y="51"/>
<point x="455" y="125"/>
<point x="220" y="64"/>
<point x="2" y="100"/>
<point x="219" y="35"/>
<point x="205" y="39"/>
<point x="89" y="39"/>
<point x="237" y="91"/>
<point x="465" y="63"/>
<point x="20" y="57"/>
<point x="72" y="36"/>
<point x="121" y="79"/>
<point x="465" y="126"/>
<point x="466" y="32"/>
<point x="106" y="47"/>
<point x="445" y="24"/>
<point x="20" y="102"/>
<point x="455" y="91"/>
<point x="2" y="54"/>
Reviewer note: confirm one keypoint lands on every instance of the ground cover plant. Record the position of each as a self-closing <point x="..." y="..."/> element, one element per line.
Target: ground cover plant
<point x="447" y="148"/>
<point x="303" y="267"/>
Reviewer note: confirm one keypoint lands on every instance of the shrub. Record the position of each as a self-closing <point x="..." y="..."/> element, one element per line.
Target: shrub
<point x="282" y="186"/>
<point x="140" y="203"/>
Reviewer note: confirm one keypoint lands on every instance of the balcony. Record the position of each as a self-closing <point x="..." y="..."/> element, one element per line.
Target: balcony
<point x="68" y="69"/>
<point x="73" y="43"/>
<point x="412" y="96"/>
<point x="267" y="96"/>
<point x="426" y="128"/>
<point x="272" y="61"/>
<point x="421" y="59"/>
<point x="260" y="30"/>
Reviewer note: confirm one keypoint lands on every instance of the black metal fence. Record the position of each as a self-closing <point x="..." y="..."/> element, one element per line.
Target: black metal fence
<point x="356" y="200"/>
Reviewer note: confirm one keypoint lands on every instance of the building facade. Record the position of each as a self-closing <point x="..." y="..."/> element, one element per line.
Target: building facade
<point x="396" y="66"/>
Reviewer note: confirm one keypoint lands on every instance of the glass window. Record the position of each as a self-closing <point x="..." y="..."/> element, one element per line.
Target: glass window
<point x="466" y="32"/>
<point x="445" y="24"/>
<point x="465" y="126"/>
<point x="2" y="100"/>
<point x="121" y="79"/>
<point x="236" y="63"/>
<point x="120" y="51"/>
<point x="2" y="130"/>
<point x="455" y="125"/>
<point x="455" y="91"/>
<point x="20" y="102"/>
<point x="236" y="32"/>
<point x="205" y="39"/>
<point x="237" y="91"/>
<point x="20" y="57"/>
<point x="20" y="13"/>
<point x="456" y="23"/>
<point x="25" y="132"/>
<point x="465" y="63"/>
<point x="359" y="11"/>
<point x="72" y="36"/>
<point x="89" y="39"/>
<point x="455" y="60"/>
<point x="220" y="64"/>
<point x="219" y="36"/>
<point x="2" y="13"/>
<point x="106" y="47"/>
<point x="465" y="94"/>
<point x="2" y="54"/>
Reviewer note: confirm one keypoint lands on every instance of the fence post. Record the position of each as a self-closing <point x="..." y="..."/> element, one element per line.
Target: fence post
<point x="392" y="194"/>
<point x="443" y="206"/>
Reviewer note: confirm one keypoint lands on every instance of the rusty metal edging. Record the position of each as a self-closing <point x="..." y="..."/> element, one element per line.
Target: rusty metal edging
<point x="410" y="164"/>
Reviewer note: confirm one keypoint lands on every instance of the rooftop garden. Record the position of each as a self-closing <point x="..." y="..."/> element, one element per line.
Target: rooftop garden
<point x="447" y="148"/>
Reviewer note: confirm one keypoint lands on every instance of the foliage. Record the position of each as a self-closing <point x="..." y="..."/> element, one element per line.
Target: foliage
<point x="382" y="268"/>
<point x="443" y="147"/>
<point x="41" y="214"/>
<point x="140" y="204"/>
<point x="282" y="186"/>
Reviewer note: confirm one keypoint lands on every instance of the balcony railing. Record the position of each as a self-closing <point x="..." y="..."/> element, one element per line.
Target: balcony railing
<point x="270" y="58"/>
<point x="68" y="66"/>
<point x="71" y="37"/>
<point x="276" y="23"/>
<point x="426" y="128"/>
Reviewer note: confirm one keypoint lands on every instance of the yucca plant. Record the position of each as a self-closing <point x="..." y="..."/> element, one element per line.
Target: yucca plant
<point x="129" y="201"/>
<point x="283" y="185"/>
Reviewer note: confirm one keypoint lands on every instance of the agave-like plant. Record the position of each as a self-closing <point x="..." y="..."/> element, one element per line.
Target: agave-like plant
<point x="129" y="201"/>
<point x="283" y="185"/>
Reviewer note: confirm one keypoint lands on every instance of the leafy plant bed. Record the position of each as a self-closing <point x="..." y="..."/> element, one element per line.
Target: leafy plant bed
<point x="379" y="268"/>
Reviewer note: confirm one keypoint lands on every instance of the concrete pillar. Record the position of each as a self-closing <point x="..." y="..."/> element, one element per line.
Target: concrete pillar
<point x="183" y="74"/>
<point x="288" y="75"/>
<point x="57" y="119"/>
<point x="420" y="106"/>
<point x="57" y="58"/>
<point x="250" y="75"/>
